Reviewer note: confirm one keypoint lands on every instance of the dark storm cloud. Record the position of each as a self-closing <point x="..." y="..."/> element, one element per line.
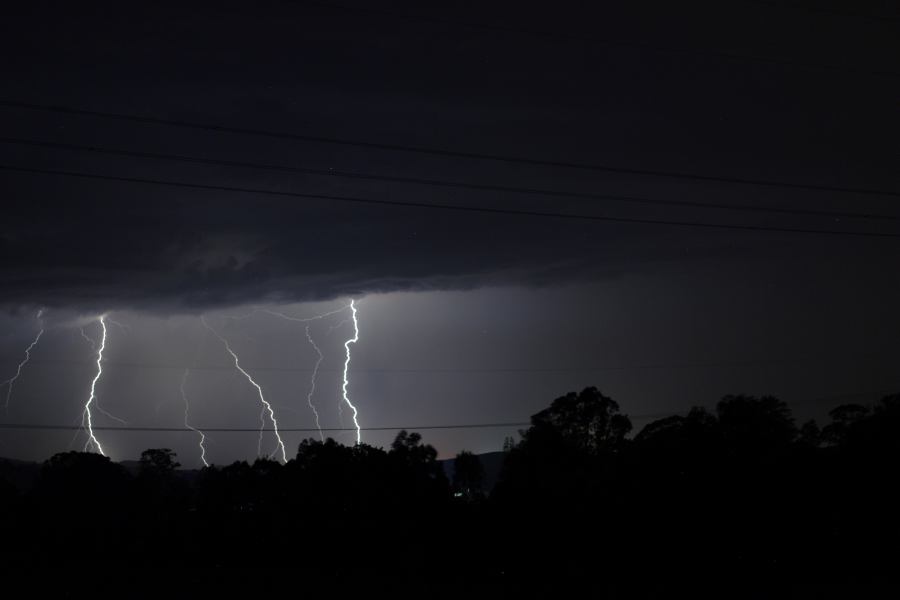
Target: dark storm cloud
<point x="630" y="308"/>
<point x="145" y="250"/>
<point x="295" y="67"/>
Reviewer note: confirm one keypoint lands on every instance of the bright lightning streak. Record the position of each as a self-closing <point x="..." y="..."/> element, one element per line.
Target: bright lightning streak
<point x="12" y="380"/>
<point x="262" y="399"/>
<point x="186" y="423"/>
<point x="312" y="387"/>
<point x="352" y="340"/>
<point x="92" y="440"/>
<point x="97" y="405"/>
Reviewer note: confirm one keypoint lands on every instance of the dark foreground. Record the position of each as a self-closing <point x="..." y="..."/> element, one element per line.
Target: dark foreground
<point x="740" y="503"/>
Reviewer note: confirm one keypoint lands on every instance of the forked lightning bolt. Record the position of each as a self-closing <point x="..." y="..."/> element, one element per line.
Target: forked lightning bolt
<point x="92" y="440"/>
<point x="12" y="380"/>
<point x="312" y="342"/>
<point x="262" y="398"/>
<point x="186" y="421"/>
<point x="97" y="405"/>
<point x="312" y="387"/>
<point x="352" y="340"/>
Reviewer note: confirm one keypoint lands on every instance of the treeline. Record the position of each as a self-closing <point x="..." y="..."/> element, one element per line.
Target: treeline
<point x="736" y="501"/>
<point x="739" y="500"/>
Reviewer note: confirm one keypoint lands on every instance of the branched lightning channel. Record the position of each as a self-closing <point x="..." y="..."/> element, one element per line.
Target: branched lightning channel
<point x="92" y="440"/>
<point x="122" y="326"/>
<point x="12" y="380"/>
<point x="352" y="340"/>
<point x="262" y="399"/>
<point x="106" y="413"/>
<point x="336" y="326"/>
<point x="97" y="405"/>
<point x="303" y="319"/>
<point x="312" y="387"/>
<point x="87" y="443"/>
<point x="306" y="320"/>
<point x="88" y="339"/>
<point x="186" y="421"/>
<point x="274" y="313"/>
<point x="77" y="431"/>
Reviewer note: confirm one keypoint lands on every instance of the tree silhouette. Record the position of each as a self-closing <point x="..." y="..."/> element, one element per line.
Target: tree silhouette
<point x="842" y="419"/>
<point x="158" y="461"/>
<point x="414" y="468"/>
<point x="569" y="454"/>
<point x="587" y="420"/>
<point x="468" y="475"/>
<point x="810" y="434"/>
<point x="755" y="425"/>
<point x="84" y="500"/>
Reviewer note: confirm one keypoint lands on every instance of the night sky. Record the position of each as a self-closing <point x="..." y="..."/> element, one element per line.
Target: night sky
<point x="724" y="218"/>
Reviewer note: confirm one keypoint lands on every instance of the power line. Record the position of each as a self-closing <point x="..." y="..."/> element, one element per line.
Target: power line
<point x="664" y="49"/>
<point x="486" y="425"/>
<point x="448" y="207"/>
<point x="256" y="429"/>
<point x="130" y="428"/>
<point x="446" y="152"/>
<point x="472" y="370"/>
<point x="443" y="183"/>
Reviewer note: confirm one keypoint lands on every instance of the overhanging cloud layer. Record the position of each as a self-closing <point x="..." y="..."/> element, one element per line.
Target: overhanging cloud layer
<point x="67" y="242"/>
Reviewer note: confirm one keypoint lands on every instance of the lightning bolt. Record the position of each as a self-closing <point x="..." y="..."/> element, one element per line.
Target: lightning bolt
<point x="186" y="423"/>
<point x="92" y="440"/>
<point x="12" y="380"/>
<point x="266" y="406"/>
<point x="312" y="342"/>
<point x="99" y="408"/>
<point x="312" y="387"/>
<point x="352" y="340"/>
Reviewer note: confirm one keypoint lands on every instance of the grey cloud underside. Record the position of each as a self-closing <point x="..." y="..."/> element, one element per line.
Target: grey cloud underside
<point x="99" y="245"/>
<point x="96" y="249"/>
